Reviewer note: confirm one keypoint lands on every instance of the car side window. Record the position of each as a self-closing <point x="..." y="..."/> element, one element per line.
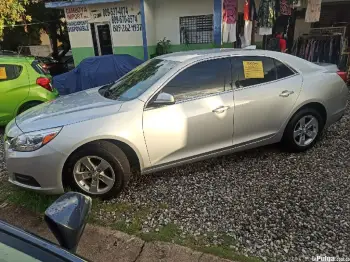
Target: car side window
<point x="13" y="249"/>
<point x="283" y="70"/>
<point x="9" y="72"/>
<point x="243" y="77"/>
<point x="204" y="78"/>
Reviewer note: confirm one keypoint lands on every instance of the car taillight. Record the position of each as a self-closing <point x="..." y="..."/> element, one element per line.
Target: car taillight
<point x="343" y="75"/>
<point x="45" y="83"/>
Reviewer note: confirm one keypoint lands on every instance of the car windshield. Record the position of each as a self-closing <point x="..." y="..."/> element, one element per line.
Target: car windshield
<point x="138" y="80"/>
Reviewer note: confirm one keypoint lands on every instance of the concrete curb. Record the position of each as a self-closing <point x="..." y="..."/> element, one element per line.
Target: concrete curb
<point x="104" y="244"/>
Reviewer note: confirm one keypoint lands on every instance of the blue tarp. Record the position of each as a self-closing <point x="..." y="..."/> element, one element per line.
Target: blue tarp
<point x="95" y="71"/>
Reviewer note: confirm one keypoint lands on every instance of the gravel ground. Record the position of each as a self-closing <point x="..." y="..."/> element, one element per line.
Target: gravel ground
<point x="2" y="164"/>
<point x="278" y="206"/>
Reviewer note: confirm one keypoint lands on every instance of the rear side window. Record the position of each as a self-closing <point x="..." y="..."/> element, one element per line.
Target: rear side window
<point x="9" y="72"/>
<point x="283" y="70"/>
<point x="38" y="68"/>
<point x="253" y="70"/>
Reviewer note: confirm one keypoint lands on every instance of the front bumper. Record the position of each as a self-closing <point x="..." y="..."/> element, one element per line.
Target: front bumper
<point x="44" y="166"/>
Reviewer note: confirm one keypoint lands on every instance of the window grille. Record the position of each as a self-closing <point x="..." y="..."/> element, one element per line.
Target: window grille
<point x="196" y="29"/>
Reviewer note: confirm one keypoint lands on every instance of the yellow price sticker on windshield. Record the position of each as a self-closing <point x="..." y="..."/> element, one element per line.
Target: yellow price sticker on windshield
<point x="253" y="69"/>
<point x="3" y="73"/>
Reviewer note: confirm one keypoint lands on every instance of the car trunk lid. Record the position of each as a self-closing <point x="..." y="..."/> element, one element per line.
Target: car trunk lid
<point x="333" y="68"/>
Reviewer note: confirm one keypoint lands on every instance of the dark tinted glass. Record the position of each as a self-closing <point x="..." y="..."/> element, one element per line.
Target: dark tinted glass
<point x="12" y="71"/>
<point x="14" y="249"/>
<point x="239" y="75"/>
<point x="204" y="78"/>
<point x="282" y="70"/>
<point x="137" y="81"/>
<point x="38" y="68"/>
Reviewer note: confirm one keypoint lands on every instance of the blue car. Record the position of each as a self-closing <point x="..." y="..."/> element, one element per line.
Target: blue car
<point x="66" y="218"/>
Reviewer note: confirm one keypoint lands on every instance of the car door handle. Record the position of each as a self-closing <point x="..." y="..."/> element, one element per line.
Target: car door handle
<point x="221" y="109"/>
<point x="286" y="93"/>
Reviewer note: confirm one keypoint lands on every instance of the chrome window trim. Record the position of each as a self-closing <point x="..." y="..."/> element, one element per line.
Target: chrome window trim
<point x="277" y="80"/>
<point x="181" y="70"/>
<point x="146" y="108"/>
<point x="192" y="99"/>
<point x="274" y="81"/>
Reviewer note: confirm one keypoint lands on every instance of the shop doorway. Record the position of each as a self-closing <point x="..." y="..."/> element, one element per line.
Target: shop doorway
<point x="102" y="39"/>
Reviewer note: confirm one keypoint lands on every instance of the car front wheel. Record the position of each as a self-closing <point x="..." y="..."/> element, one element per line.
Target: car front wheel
<point x="303" y="130"/>
<point x="99" y="169"/>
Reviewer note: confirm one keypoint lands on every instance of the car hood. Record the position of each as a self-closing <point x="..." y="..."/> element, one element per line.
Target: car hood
<point x="67" y="110"/>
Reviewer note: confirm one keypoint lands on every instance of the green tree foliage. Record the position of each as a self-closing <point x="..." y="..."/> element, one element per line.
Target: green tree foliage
<point x="16" y="30"/>
<point x="11" y="12"/>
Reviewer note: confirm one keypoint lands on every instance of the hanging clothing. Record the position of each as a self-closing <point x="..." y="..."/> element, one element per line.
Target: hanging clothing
<point x="265" y="31"/>
<point x="248" y="27"/>
<point x="296" y="3"/>
<point x="313" y="11"/>
<point x="229" y="21"/>
<point x="249" y="16"/>
<point x="230" y="11"/>
<point x="249" y="10"/>
<point x="243" y="41"/>
<point x="229" y="33"/>
<point x="266" y="16"/>
<point x="285" y="7"/>
<point x="321" y="48"/>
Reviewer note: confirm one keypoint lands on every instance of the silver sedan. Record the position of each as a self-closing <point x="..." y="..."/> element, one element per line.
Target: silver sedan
<point x="172" y="110"/>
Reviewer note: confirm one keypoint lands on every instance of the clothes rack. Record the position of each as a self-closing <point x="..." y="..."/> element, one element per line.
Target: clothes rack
<point x="324" y="45"/>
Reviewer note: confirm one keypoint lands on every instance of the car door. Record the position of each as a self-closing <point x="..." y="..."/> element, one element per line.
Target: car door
<point x="265" y="93"/>
<point x="14" y="89"/>
<point x="15" y="249"/>
<point x="200" y="121"/>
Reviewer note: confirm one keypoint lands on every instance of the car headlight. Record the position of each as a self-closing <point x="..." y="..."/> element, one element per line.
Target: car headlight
<point x="32" y="141"/>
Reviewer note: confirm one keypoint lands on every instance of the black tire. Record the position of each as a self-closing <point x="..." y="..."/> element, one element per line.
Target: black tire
<point x="107" y="151"/>
<point x="288" y="137"/>
<point x="27" y="106"/>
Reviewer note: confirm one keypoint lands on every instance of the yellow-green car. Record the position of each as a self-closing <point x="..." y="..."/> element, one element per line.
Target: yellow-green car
<point x="23" y="84"/>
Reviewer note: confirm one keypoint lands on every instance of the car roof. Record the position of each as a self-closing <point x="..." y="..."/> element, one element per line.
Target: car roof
<point x="187" y="57"/>
<point x="15" y="59"/>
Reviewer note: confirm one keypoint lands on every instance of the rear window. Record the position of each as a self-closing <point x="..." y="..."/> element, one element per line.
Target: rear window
<point x="38" y="68"/>
<point x="9" y="72"/>
<point x="282" y="70"/>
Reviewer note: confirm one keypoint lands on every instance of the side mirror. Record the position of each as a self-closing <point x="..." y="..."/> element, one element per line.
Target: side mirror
<point x="67" y="218"/>
<point x="164" y="99"/>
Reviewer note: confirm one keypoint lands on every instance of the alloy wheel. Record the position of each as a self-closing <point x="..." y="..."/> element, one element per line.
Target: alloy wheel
<point x="94" y="175"/>
<point x="306" y="130"/>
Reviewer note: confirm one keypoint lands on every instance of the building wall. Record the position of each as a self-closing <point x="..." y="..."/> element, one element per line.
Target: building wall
<point x="168" y="12"/>
<point x="150" y="6"/>
<point x="301" y="27"/>
<point x="167" y="23"/>
<point x="162" y="21"/>
<point x="126" y="34"/>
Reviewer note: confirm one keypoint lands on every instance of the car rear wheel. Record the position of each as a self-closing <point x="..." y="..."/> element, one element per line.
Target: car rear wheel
<point x="99" y="169"/>
<point x="303" y="130"/>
